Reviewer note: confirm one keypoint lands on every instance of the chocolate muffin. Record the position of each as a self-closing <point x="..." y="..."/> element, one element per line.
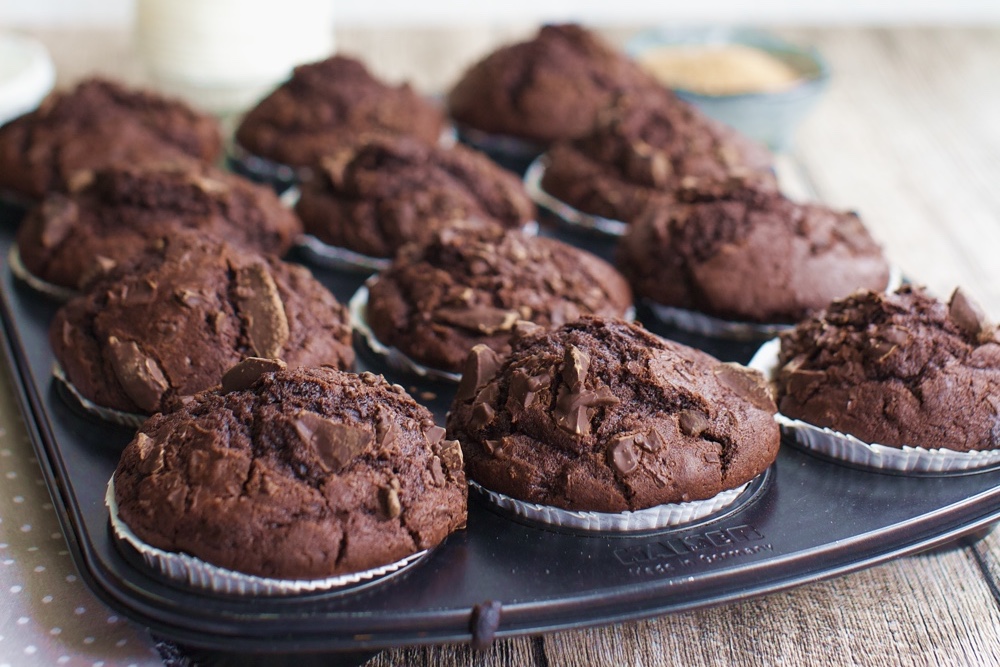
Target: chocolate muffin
<point x="601" y="415"/>
<point x="896" y="369"/>
<point x="169" y="324"/>
<point x="643" y="150"/>
<point x="294" y="475"/>
<point x="328" y="103"/>
<point x="739" y="252"/>
<point x="97" y="124"/>
<point x="112" y="214"/>
<point x="373" y="196"/>
<point x="470" y="284"/>
<point x="548" y="88"/>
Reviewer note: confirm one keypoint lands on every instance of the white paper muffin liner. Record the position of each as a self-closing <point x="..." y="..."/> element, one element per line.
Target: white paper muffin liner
<point x="197" y="573"/>
<point x="358" y="306"/>
<point x="341" y="259"/>
<point x="846" y="447"/>
<point x="653" y="518"/>
<point x="21" y="272"/>
<point x="696" y="322"/>
<point x="563" y="211"/>
<point x="120" y="417"/>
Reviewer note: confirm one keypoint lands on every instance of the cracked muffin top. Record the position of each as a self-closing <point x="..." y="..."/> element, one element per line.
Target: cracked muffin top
<point x="97" y="124"/>
<point x="896" y="369"/>
<point x="472" y="282"/>
<point x="744" y="253"/>
<point x="379" y="193"/>
<point x="548" y="88"/>
<point x="112" y="214"/>
<point x="169" y="324"/>
<point x="328" y="103"/>
<point x="602" y="415"/>
<point x="298" y="474"/>
<point x="643" y="150"/>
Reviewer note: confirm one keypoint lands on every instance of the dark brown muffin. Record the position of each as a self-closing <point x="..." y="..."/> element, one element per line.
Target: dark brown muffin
<point x="169" y="324"/>
<point x="113" y="213"/>
<point x="896" y="369"/>
<point x="545" y="89"/>
<point x="373" y="196"/>
<point x="97" y="124"/>
<point x="743" y="253"/>
<point x="328" y="103"/>
<point x="643" y="150"/>
<point x="470" y="283"/>
<point x="601" y="415"/>
<point x="300" y="475"/>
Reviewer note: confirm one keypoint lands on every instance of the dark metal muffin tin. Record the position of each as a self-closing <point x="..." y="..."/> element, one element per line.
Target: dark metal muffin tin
<point x="807" y="520"/>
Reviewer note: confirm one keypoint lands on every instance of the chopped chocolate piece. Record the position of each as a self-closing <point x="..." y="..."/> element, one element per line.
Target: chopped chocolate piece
<point x="335" y="444"/>
<point x="244" y="374"/>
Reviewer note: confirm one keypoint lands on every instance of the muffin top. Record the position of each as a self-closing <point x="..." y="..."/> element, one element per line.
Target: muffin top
<point x="377" y="194"/>
<point x="740" y="252"/>
<point x="294" y="475"/>
<point x="113" y="213"/>
<point x="601" y="415"/>
<point x="471" y="283"/>
<point x="327" y="103"/>
<point x="645" y="148"/>
<point x="96" y="124"/>
<point x="896" y="369"/>
<point x="548" y="88"/>
<point x="169" y="324"/>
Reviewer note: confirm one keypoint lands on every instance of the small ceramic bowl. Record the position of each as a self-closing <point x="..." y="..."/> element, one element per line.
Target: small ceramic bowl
<point x="769" y="117"/>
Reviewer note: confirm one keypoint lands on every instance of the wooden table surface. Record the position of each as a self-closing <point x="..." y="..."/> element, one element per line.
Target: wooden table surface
<point x="908" y="134"/>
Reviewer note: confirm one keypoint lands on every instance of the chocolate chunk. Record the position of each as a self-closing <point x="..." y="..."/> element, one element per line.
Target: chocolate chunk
<point x="484" y="319"/>
<point x="98" y="267"/>
<point x="450" y="453"/>
<point x="575" y="366"/>
<point x="437" y="473"/>
<point x="260" y="304"/>
<point x="692" y="423"/>
<point x="747" y="383"/>
<point x="480" y="367"/>
<point x="79" y="180"/>
<point x="651" y="441"/>
<point x="493" y="447"/>
<point x="967" y="315"/>
<point x="244" y="374"/>
<point x="573" y="410"/>
<point x="150" y="454"/>
<point x="59" y="215"/>
<point x="622" y="453"/>
<point x="140" y="376"/>
<point x="389" y="496"/>
<point x="482" y="415"/>
<point x="334" y="444"/>
<point x="524" y="388"/>
<point x="434" y="434"/>
<point x="386" y="430"/>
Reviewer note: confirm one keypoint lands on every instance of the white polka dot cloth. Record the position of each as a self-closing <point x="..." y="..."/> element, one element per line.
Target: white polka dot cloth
<point x="48" y="617"/>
